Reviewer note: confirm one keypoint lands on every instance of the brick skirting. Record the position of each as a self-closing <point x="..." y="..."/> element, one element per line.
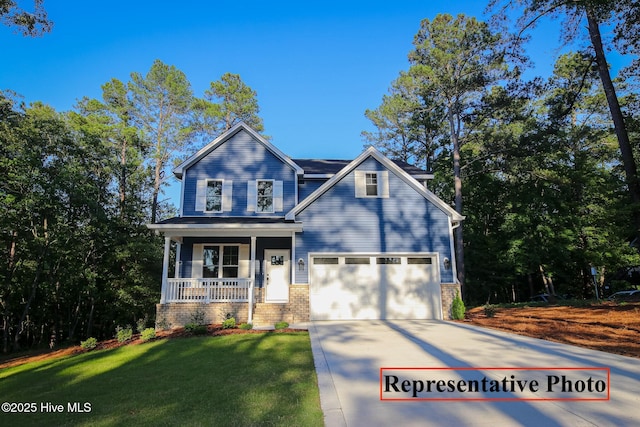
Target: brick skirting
<point x="448" y="291"/>
<point x="174" y="315"/>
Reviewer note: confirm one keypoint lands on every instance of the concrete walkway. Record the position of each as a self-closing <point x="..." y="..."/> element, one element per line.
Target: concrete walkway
<point x="348" y="357"/>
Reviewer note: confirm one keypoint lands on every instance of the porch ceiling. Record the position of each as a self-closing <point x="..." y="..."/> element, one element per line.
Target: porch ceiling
<point x="226" y="226"/>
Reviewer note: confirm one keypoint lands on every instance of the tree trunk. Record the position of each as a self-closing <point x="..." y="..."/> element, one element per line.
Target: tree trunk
<point x="628" y="161"/>
<point x="459" y="246"/>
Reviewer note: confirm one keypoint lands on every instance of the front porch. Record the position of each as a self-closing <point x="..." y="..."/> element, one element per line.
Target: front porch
<point x="229" y="267"/>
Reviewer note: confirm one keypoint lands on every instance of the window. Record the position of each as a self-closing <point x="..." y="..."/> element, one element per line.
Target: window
<point x="360" y="260"/>
<point x="388" y="260"/>
<point x="213" y="263"/>
<point x="265" y="196"/>
<point x="264" y="201"/>
<point x="371" y="184"/>
<point x="419" y="260"/>
<point x="214" y="196"/>
<point x="325" y="260"/>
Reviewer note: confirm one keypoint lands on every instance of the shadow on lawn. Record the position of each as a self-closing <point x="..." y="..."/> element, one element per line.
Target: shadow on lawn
<point x="252" y="379"/>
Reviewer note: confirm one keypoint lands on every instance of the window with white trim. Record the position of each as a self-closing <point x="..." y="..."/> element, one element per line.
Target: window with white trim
<point x="264" y="196"/>
<point x="371" y="183"/>
<point x="214" y="196"/>
<point x="374" y="184"/>
<point x="220" y="261"/>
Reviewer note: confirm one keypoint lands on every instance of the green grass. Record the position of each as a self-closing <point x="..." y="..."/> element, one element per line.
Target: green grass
<point x="233" y="380"/>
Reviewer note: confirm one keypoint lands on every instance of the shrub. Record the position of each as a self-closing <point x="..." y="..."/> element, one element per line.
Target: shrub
<point x="230" y="323"/>
<point x="163" y="324"/>
<point x="124" y="334"/>
<point x="89" y="343"/>
<point x="489" y="310"/>
<point x="141" y="325"/>
<point x="457" y="308"/>
<point x="148" y="334"/>
<point x="246" y="326"/>
<point x="281" y="325"/>
<point x="197" y="316"/>
<point x="195" y="328"/>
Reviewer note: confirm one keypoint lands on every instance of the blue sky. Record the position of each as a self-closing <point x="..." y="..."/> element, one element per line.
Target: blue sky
<point x="316" y="66"/>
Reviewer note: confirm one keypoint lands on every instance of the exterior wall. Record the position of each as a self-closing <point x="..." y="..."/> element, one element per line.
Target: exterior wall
<point x="240" y="159"/>
<point x="308" y="187"/>
<point x="448" y="291"/>
<point x="295" y="311"/>
<point x="404" y="222"/>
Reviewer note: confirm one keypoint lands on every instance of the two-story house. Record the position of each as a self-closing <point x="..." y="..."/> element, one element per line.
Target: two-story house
<point x="265" y="238"/>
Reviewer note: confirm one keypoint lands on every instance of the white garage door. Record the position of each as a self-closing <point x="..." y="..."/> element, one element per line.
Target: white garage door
<point x="361" y="286"/>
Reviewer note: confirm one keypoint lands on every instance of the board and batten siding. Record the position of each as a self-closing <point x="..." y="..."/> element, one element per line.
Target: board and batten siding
<point x="404" y="222"/>
<point x="239" y="160"/>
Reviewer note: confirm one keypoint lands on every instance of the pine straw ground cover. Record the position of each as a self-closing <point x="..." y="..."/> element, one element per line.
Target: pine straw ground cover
<point x="236" y="379"/>
<point x="605" y="326"/>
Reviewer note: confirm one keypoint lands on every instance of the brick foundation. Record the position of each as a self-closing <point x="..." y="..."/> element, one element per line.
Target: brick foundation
<point x="175" y="315"/>
<point x="448" y="292"/>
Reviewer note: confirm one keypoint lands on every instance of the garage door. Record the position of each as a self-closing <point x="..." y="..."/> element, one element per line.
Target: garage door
<point x="361" y="286"/>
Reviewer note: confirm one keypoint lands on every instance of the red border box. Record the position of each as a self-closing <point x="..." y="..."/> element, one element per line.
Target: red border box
<point x="608" y="371"/>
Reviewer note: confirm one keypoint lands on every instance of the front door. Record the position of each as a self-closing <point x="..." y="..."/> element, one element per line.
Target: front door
<point x="276" y="275"/>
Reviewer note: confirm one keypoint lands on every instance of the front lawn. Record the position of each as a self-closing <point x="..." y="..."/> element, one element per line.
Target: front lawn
<point x="239" y="380"/>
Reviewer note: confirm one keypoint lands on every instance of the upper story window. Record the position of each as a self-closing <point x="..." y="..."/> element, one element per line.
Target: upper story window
<point x="373" y="184"/>
<point x="214" y="196"/>
<point x="264" y="200"/>
<point x="265" y="196"/>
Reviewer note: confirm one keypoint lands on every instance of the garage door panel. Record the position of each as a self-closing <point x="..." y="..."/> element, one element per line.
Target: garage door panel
<point x="378" y="290"/>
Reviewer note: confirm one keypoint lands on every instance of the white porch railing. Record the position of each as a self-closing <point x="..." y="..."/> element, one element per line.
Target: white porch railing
<point x="207" y="290"/>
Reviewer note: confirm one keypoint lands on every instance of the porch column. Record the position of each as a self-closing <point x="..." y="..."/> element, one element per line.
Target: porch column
<point x="165" y="269"/>
<point x="252" y="274"/>
<point x="178" y="264"/>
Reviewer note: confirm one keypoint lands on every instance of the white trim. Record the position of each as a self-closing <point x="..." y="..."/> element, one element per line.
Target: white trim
<point x="165" y="269"/>
<point x="397" y="170"/>
<point x="181" y="169"/>
<point x="252" y="275"/>
<point x="178" y="263"/>
<point x="452" y="249"/>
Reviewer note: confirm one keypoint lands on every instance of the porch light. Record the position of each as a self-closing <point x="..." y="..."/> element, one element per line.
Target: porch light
<point x="300" y="264"/>
<point x="447" y="263"/>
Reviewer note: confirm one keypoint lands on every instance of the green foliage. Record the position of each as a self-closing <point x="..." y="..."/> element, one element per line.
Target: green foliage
<point x="141" y="325"/>
<point x="281" y="325"/>
<point x="197" y="317"/>
<point x="246" y="326"/>
<point x="148" y="334"/>
<point x="124" y="334"/>
<point x="457" y="308"/>
<point x="195" y="328"/>
<point x="89" y="343"/>
<point x="489" y="310"/>
<point x="229" y="323"/>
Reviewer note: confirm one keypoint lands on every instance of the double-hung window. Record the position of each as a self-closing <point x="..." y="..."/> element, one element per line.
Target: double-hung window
<point x="214" y="196"/>
<point x="264" y="200"/>
<point x="220" y="261"/>
<point x="372" y="184"/>
<point x="265" y="196"/>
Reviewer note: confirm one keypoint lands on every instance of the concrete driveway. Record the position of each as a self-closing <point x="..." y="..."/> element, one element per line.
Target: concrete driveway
<point x="349" y="355"/>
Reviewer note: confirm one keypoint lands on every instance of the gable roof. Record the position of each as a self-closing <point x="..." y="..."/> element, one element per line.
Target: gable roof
<point x="179" y="170"/>
<point x="390" y="165"/>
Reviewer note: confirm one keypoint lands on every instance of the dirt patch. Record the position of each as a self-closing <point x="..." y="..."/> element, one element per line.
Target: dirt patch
<point x="212" y="330"/>
<point x="609" y="327"/>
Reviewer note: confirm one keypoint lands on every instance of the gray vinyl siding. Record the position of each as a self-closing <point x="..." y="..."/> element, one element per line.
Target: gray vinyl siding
<point x="239" y="159"/>
<point x="404" y="222"/>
